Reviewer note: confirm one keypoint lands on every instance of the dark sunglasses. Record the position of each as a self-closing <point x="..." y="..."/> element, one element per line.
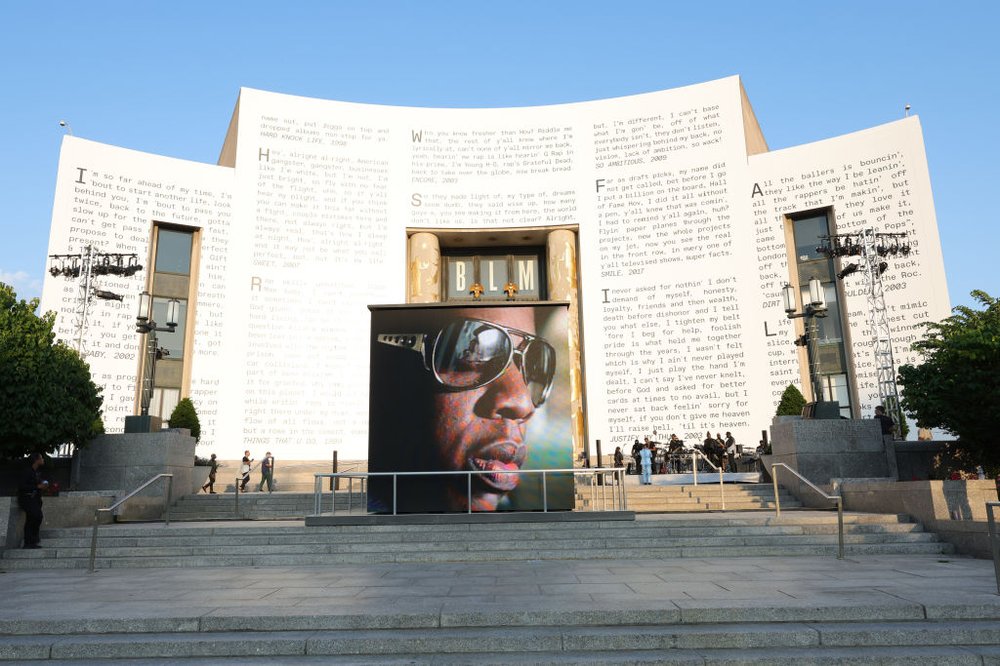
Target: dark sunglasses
<point x="470" y="353"/>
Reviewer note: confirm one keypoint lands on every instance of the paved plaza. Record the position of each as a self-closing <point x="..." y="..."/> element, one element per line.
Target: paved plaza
<point x="684" y="590"/>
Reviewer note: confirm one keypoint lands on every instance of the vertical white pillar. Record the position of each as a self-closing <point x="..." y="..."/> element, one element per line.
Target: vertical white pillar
<point x="561" y="250"/>
<point x="424" y="274"/>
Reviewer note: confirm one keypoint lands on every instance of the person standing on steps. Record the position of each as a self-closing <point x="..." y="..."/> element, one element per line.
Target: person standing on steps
<point x="29" y="498"/>
<point x="210" y="486"/>
<point x="646" y="459"/>
<point x="245" y="470"/>
<point x="731" y="451"/>
<point x="266" y="472"/>
<point x="636" y="448"/>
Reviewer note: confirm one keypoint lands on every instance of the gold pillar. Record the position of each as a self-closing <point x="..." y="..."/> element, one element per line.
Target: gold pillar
<point x="425" y="269"/>
<point x="561" y="246"/>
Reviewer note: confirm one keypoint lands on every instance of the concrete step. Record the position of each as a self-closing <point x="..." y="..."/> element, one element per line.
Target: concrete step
<point x="953" y="641"/>
<point x="135" y="535"/>
<point x="576" y="545"/>
<point x="259" y="544"/>
<point x="268" y="558"/>
<point x="678" y="503"/>
<point x="227" y="538"/>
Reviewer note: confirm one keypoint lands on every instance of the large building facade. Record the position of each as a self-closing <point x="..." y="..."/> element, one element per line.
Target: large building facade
<point x="663" y="218"/>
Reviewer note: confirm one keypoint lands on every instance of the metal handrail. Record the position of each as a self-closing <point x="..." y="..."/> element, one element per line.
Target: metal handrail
<point x="239" y="480"/>
<point x="617" y="473"/>
<point x="695" y="453"/>
<point x="834" y="498"/>
<point x="619" y="500"/>
<point x="113" y="507"/>
<point x="994" y="544"/>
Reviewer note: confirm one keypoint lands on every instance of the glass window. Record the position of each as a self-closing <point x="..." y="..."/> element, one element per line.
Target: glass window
<point x="831" y="328"/>
<point x="830" y="353"/>
<point x="163" y="403"/>
<point x="171" y="342"/>
<point x="807" y="232"/>
<point x="835" y="387"/>
<point x="173" y="251"/>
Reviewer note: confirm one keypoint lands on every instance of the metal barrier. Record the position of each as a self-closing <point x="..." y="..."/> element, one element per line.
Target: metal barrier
<point x="618" y="498"/>
<point x="113" y="507"/>
<point x="834" y="498"/>
<point x="994" y="543"/>
<point x="695" y="454"/>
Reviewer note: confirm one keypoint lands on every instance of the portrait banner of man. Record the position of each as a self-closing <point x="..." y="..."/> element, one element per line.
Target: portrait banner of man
<point x="470" y="388"/>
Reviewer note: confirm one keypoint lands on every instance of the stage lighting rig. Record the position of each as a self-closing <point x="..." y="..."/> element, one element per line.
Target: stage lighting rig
<point x="874" y="248"/>
<point x="85" y="266"/>
<point x="848" y="270"/>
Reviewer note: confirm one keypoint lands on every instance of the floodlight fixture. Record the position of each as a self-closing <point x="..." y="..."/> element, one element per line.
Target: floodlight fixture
<point x="848" y="270"/>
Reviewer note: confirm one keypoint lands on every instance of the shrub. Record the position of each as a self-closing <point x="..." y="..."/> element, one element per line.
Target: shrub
<point x="792" y="402"/>
<point x="185" y="416"/>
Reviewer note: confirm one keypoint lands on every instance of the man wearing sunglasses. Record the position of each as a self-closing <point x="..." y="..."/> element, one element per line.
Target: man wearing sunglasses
<point x="473" y="380"/>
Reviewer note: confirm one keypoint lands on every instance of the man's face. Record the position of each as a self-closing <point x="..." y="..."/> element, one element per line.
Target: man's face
<point x="483" y="429"/>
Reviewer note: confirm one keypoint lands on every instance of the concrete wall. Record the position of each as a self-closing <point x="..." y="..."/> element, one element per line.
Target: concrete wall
<point x="955" y="510"/>
<point x="76" y="509"/>
<point x="915" y="460"/>
<point x="122" y="462"/>
<point x="68" y="509"/>
<point x="11" y="523"/>
<point x="924" y="500"/>
<point x="826" y="449"/>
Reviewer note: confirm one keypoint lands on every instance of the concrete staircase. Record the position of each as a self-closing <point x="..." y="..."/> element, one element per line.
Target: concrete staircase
<point x="688" y="498"/>
<point x="641" y="499"/>
<point x="750" y="633"/>
<point x="258" y="506"/>
<point x="651" y="537"/>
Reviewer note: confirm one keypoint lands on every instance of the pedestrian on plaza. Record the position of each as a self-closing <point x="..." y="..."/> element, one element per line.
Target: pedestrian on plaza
<point x="210" y="486"/>
<point x="29" y="498"/>
<point x="266" y="473"/>
<point x="245" y="470"/>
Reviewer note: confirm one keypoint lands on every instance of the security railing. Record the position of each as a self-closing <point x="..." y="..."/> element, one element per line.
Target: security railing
<point x="695" y="454"/>
<point x="617" y="498"/>
<point x="994" y="542"/>
<point x="833" y="498"/>
<point x="114" y="507"/>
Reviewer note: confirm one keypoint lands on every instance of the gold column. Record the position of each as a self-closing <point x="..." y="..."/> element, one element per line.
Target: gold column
<point x="561" y="246"/>
<point x="425" y="269"/>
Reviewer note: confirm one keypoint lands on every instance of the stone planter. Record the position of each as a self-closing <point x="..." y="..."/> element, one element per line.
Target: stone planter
<point x="123" y="462"/>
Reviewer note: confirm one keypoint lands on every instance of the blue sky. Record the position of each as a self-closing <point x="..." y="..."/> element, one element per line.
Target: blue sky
<point x="163" y="78"/>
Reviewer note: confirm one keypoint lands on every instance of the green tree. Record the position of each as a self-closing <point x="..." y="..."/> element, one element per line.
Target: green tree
<point x="957" y="386"/>
<point x="47" y="397"/>
<point x="185" y="416"/>
<point x="792" y="402"/>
